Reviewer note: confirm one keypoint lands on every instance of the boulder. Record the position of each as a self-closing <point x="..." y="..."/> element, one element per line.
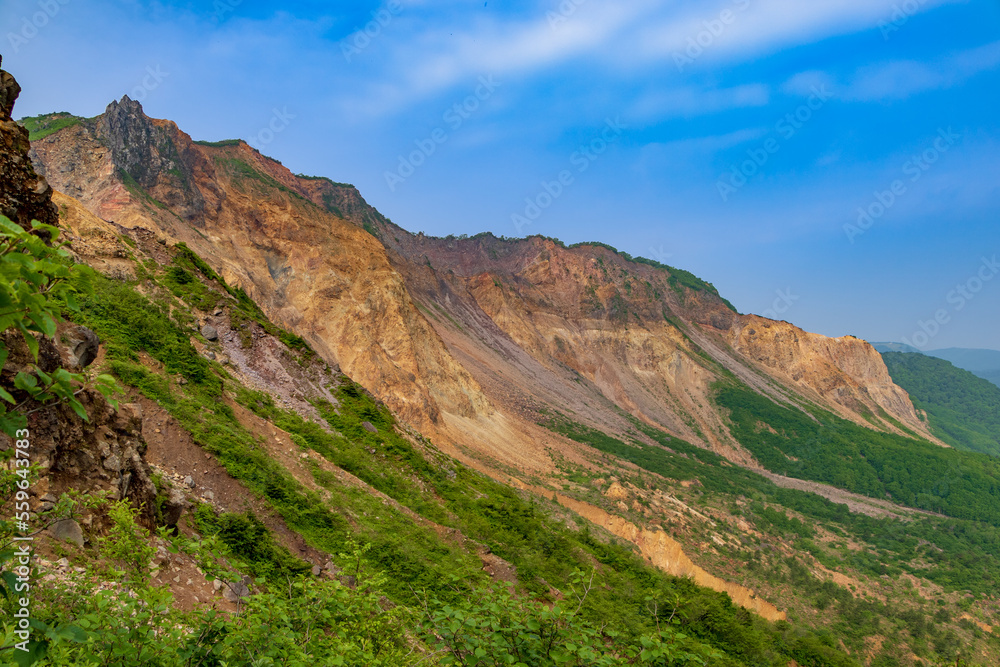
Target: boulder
<point x="82" y="345"/>
<point x="368" y="426"/>
<point x="173" y="507"/>
<point x="67" y="530"/>
<point x="236" y="591"/>
<point x="210" y="333"/>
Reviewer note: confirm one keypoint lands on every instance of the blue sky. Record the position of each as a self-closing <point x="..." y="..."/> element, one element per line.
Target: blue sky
<point x="734" y="138"/>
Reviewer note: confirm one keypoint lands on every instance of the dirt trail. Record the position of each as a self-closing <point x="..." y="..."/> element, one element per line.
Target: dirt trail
<point x="856" y="503"/>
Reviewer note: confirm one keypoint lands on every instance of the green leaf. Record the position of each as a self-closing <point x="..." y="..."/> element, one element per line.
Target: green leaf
<point x="78" y="409"/>
<point x="10" y="581"/>
<point x="11" y="228"/>
<point x="40" y="226"/>
<point x="29" y="339"/>
<point x="36" y="651"/>
<point x="71" y="633"/>
<point x="25" y="381"/>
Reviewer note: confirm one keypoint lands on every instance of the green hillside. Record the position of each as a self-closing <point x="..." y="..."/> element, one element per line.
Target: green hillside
<point x="963" y="409"/>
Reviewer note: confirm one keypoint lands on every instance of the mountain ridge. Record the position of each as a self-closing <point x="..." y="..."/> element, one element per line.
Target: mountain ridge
<point x="240" y="209"/>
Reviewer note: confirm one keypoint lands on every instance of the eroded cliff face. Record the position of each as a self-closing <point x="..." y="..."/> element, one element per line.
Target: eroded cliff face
<point x="257" y="224"/>
<point x="579" y="329"/>
<point x="635" y="333"/>
<point x="845" y="374"/>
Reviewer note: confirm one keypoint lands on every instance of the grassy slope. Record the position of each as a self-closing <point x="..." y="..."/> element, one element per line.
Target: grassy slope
<point x="958" y="556"/>
<point x="42" y="126"/>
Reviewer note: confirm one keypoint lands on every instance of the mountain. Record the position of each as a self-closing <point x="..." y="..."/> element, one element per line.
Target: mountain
<point x="516" y="411"/>
<point x="962" y="409"/>
<point x="982" y="363"/>
<point x="894" y="347"/>
<point x="428" y="324"/>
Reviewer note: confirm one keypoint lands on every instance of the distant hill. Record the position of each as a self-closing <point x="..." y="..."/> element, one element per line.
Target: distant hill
<point x="970" y="359"/>
<point x="963" y="409"/>
<point x="893" y="347"/>
<point x="982" y="363"/>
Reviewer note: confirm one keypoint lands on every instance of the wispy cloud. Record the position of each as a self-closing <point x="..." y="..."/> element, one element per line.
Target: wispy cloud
<point x="691" y="101"/>
<point x="901" y="79"/>
<point x="623" y="37"/>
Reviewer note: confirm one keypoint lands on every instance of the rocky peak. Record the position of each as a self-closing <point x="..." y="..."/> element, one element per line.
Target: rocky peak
<point x="153" y="153"/>
<point x="132" y="139"/>
<point x="24" y="195"/>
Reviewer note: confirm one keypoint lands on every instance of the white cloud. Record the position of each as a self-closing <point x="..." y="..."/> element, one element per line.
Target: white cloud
<point x="629" y="36"/>
<point x="901" y="79"/>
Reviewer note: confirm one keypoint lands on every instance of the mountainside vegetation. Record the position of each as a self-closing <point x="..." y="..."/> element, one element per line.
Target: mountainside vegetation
<point x="42" y="126"/>
<point x="981" y="363"/>
<point x="962" y="409"/>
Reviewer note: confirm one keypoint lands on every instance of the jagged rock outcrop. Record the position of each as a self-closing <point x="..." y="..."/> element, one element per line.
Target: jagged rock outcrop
<point x="102" y="454"/>
<point x="24" y="194"/>
<point x="309" y="269"/>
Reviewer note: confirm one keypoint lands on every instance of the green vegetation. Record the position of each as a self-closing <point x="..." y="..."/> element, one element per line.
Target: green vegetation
<point x="42" y="126"/>
<point x="825" y="448"/>
<point x="958" y="555"/>
<point x="326" y="180"/>
<point x="245" y="175"/>
<point x="220" y="144"/>
<point x="408" y="596"/>
<point x="679" y="278"/>
<point x="962" y="409"/>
